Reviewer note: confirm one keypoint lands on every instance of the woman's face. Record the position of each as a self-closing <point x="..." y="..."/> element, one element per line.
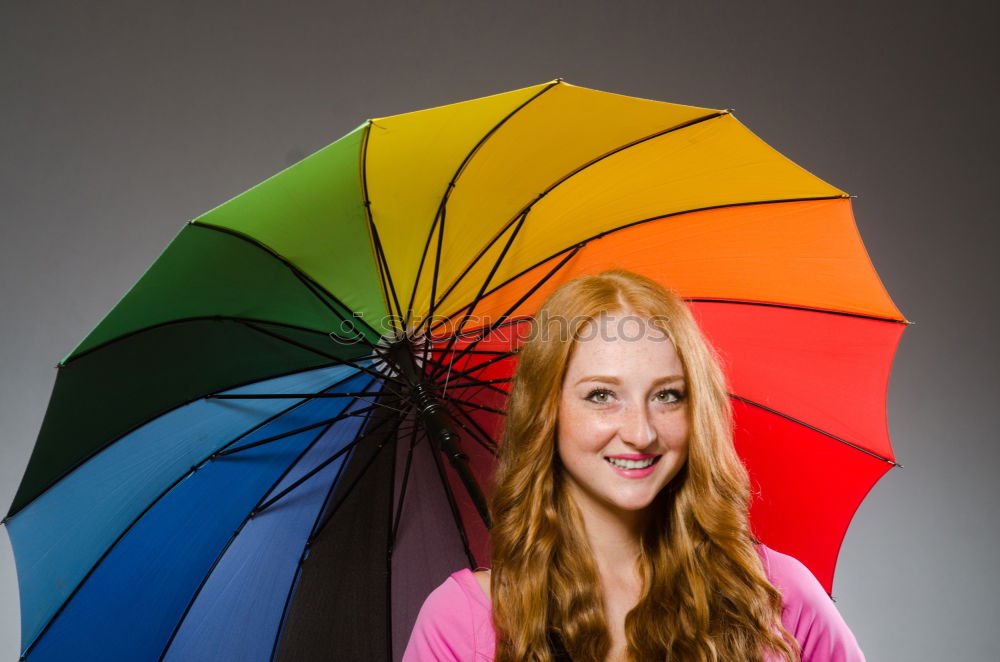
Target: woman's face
<point x="623" y="430"/>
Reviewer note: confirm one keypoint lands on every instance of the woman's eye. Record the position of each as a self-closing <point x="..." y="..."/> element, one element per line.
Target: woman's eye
<point x="670" y="396"/>
<point x="600" y="396"/>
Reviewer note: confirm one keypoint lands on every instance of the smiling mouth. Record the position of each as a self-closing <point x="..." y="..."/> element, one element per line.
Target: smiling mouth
<point x="633" y="464"/>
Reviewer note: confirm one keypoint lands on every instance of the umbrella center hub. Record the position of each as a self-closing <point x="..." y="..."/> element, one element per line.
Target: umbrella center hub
<point x="429" y="407"/>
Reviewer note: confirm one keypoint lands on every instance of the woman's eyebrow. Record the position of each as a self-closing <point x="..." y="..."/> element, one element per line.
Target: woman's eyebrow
<point x="669" y="380"/>
<point x="611" y="379"/>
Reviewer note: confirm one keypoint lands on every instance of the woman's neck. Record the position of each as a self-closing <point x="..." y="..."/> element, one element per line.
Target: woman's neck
<point x="614" y="539"/>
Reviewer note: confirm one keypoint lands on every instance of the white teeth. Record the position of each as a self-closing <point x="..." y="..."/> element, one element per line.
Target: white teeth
<point x="631" y="464"/>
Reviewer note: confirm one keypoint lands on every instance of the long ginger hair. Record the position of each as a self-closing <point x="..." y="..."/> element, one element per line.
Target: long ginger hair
<point x="705" y="596"/>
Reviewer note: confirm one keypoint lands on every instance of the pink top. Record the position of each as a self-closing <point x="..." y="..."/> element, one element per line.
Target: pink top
<point x="455" y="621"/>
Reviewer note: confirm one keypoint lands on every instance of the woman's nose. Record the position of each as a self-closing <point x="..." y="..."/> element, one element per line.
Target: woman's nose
<point x="636" y="428"/>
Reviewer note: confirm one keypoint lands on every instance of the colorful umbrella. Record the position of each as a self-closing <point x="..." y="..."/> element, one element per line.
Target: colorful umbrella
<point x="273" y="446"/>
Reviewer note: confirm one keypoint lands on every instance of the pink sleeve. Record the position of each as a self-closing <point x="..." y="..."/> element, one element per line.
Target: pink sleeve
<point x="444" y="630"/>
<point x="809" y="614"/>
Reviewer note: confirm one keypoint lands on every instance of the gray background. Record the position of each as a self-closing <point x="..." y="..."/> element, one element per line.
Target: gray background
<point x="119" y="121"/>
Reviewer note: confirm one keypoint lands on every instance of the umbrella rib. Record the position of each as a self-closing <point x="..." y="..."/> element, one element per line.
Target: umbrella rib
<point x="291" y="433"/>
<point x="224" y="447"/>
<point x="502" y="352"/>
<point x="583" y="242"/>
<point x="527" y="208"/>
<point x="354" y="363"/>
<point x="471" y="383"/>
<point x="314" y="287"/>
<point x="420" y="268"/>
<point x="336" y="338"/>
<point x="496" y="265"/>
<point x="302" y="556"/>
<point x="166" y="411"/>
<point x="482" y="444"/>
<point x="789" y="306"/>
<point x="386" y="282"/>
<point x="570" y="253"/>
<point x="363" y="431"/>
<point x="278" y="396"/>
<point x="389" y="287"/>
<point x="524" y="297"/>
<point x="381" y="444"/>
<point x="185" y="320"/>
<point x="390" y="540"/>
<point x="815" y="429"/>
<point x="319" y="394"/>
<point x="225" y="548"/>
<point x="312" y="472"/>
<point x="492" y="387"/>
<point x="451" y="185"/>
<point x="453" y="506"/>
<point x="318" y="293"/>
<point x="290" y="341"/>
<point x="437" y="259"/>
<point x="482" y="331"/>
<point x="465" y="372"/>
<point x="477" y="392"/>
<point x="476" y="405"/>
<point x="138" y="517"/>
<point x="481" y="382"/>
<point x="498" y="356"/>
<point x="402" y="489"/>
<point x="479" y="435"/>
<point x="358" y="363"/>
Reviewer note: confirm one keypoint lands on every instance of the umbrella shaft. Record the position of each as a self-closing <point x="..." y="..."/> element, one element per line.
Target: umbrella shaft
<point x="437" y="422"/>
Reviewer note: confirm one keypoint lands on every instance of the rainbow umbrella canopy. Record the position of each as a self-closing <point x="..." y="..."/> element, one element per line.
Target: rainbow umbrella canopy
<point x="276" y="444"/>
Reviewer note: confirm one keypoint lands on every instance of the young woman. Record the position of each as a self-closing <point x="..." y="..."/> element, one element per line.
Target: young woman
<point x="620" y="507"/>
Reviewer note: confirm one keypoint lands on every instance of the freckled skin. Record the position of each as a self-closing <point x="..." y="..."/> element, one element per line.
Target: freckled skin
<point x="632" y="412"/>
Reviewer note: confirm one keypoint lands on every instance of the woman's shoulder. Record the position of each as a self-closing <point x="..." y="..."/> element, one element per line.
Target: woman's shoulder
<point x="787" y="573"/>
<point x="461" y="592"/>
<point x="808" y="613"/>
<point x="454" y="623"/>
<point x="798" y="586"/>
